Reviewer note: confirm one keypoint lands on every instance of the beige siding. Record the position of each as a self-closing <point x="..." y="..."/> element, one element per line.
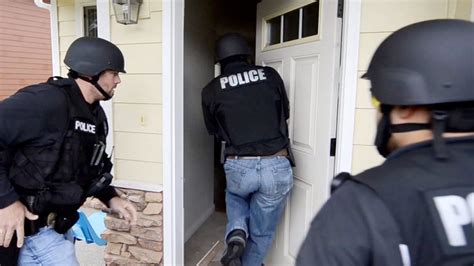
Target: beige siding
<point x="25" y="45"/>
<point x="66" y="29"/>
<point x="380" y="18"/>
<point x="137" y="105"/>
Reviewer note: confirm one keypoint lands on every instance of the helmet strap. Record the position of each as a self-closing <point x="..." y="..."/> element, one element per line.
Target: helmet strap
<point x="385" y="128"/>
<point x="383" y="135"/>
<point x="439" y="122"/>
<point x="93" y="81"/>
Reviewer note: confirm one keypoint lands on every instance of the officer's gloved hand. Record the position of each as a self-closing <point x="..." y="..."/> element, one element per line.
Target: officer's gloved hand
<point x="12" y="218"/>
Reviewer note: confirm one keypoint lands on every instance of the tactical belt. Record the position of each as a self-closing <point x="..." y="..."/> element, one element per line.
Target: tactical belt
<point x="281" y="153"/>
<point x="33" y="227"/>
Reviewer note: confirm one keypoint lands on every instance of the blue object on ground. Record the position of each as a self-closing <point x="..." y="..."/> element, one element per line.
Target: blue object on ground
<point x="88" y="229"/>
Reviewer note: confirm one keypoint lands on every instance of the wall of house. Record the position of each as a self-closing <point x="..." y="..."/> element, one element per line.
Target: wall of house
<point x="137" y="104"/>
<point x="25" y="45"/>
<point x="378" y="20"/>
<point x="137" y="127"/>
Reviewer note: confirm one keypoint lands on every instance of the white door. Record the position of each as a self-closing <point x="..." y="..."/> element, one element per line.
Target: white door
<point x="301" y="40"/>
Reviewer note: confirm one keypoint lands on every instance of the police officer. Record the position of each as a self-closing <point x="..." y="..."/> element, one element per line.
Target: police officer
<point x="52" y="142"/>
<point x="417" y="208"/>
<point x="246" y="107"/>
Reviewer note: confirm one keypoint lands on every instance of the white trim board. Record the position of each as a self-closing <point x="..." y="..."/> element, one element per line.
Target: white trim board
<point x="103" y="31"/>
<point x="348" y="85"/>
<point x="53" y="22"/>
<point x="137" y="185"/>
<point x="173" y="203"/>
<point x="472" y="10"/>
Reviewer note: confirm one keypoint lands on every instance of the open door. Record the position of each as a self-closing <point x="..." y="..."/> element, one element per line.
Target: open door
<point x="301" y="40"/>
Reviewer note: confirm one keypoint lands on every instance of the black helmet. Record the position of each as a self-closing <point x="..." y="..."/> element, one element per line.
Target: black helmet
<point x="231" y="44"/>
<point x="426" y="63"/>
<point x="91" y="56"/>
<point x="429" y="63"/>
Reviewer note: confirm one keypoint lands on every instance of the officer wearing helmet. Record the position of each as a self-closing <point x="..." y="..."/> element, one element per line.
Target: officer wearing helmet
<point x="52" y="156"/>
<point x="246" y="107"/>
<point x="417" y="208"/>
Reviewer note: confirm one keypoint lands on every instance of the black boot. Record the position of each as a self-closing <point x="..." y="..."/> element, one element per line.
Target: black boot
<point x="235" y="248"/>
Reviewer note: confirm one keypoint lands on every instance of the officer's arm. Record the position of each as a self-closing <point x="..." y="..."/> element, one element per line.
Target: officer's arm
<point x="338" y="235"/>
<point x="20" y="122"/>
<point x="107" y="194"/>
<point x="209" y="119"/>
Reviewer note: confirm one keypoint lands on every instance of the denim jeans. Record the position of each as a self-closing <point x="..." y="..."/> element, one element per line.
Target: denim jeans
<point x="255" y="197"/>
<point x="47" y="247"/>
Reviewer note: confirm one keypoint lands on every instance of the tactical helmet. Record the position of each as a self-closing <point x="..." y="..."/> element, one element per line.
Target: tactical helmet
<point x="91" y="56"/>
<point x="231" y="44"/>
<point x="426" y="63"/>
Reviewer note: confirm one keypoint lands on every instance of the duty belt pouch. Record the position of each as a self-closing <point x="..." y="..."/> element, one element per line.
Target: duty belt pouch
<point x="64" y="221"/>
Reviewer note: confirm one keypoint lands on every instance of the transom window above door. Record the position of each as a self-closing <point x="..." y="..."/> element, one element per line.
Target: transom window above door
<point x="297" y="24"/>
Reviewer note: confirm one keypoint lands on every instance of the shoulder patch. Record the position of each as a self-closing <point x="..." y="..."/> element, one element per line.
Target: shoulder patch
<point x="452" y="212"/>
<point x="339" y="180"/>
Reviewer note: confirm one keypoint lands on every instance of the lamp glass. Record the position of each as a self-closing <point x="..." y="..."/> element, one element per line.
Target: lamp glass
<point x="126" y="11"/>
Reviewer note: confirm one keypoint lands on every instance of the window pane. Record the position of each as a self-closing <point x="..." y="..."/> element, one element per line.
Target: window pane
<point x="273" y="26"/>
<point x="311" y="19"/>
<point x="290" y="25"/>
<point x="90" y="21"/>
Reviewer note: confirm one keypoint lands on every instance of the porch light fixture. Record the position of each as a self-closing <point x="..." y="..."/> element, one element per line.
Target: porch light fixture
<point x="126" y="11"/>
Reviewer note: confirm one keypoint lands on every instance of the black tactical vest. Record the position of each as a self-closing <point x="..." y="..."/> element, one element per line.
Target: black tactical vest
<point x="59" y="173"/>
<point x="431" y="200"/>
<point x="247" y="104"/>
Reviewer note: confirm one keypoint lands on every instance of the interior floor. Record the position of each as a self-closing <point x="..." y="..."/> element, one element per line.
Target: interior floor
<point x="203" y="246"/>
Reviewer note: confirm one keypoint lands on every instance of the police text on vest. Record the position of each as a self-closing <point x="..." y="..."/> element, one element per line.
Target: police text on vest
<point x="243" y="78"/>
<point x="455" y="212"/>
<point x="84" y="127"/>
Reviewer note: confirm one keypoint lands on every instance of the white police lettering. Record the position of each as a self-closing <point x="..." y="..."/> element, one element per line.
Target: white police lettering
<point x="84" y="127"/>
<point x="242" y="78"/>
<point x="455" y="212"/>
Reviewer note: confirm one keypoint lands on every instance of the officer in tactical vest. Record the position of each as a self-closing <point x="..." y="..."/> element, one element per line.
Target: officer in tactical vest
<point x="52" y="156"/>
<point x="246" y="107"/>
<point x="417" y="208"/>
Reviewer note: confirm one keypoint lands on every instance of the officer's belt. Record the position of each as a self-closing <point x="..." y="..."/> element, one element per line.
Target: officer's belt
<point x="33" y="226"/>
<point x="282" y="152"/>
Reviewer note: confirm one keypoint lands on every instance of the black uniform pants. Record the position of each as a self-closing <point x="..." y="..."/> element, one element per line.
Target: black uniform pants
<point x="9" y="256"/>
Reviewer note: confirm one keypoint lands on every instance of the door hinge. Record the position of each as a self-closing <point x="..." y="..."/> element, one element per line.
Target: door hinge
<point x="340" y="8"/>
<point x="332" y="151"/>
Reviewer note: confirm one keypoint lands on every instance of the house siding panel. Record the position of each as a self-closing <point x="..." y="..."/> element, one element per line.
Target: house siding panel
<point x="25" y="45"/>
<point x="137" y="103"/>
<point x="378" y="20"/>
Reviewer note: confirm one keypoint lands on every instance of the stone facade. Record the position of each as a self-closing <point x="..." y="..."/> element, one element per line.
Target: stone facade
<point x="139" y="244"/>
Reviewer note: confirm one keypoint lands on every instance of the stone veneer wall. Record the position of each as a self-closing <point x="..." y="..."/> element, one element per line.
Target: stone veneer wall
<point x="142" y="243"/>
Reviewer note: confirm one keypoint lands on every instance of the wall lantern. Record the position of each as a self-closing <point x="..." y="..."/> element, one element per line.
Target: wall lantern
<point x="126" y="11"/>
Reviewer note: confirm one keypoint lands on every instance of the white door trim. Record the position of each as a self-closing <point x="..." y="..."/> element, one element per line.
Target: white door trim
<point x="53" y="22"/>
<point x="173" y="204"/>
<point x="472" y="10"/>
<point x="103" y="31"/>
<point x="348" y="85"/>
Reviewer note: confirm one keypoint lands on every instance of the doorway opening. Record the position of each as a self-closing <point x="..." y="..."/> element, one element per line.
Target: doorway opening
<point x="204" y="179"/>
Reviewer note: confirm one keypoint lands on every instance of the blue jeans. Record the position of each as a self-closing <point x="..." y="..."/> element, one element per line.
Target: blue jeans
<point x="255" y="197"/>
<point x="47" y="247"/>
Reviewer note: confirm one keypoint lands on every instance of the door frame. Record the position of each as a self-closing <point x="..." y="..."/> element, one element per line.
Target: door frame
<point x="173" y="112"/>
<point x="348" y="85"/>
<point x="173" y="40"/>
